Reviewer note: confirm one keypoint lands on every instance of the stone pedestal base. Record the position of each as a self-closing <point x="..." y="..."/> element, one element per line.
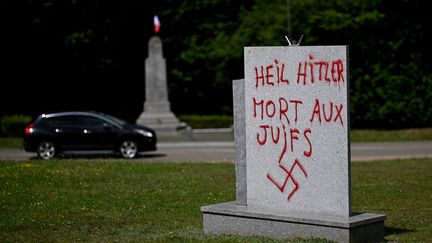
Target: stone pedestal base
<point x="166" y="126"/>
<point x="230" y="218"/>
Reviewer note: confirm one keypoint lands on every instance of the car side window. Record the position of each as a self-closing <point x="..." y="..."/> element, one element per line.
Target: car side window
<point x="89" y="121"/>
<point x="61" y="121"/>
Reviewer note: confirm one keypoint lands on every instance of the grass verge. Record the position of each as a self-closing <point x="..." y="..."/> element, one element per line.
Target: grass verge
<point x="10" y="142"/>
<point x="414" y="134"/>
<point x="107" y="200"/>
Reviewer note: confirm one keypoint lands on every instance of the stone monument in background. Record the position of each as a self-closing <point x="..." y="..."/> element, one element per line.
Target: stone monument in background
<point x="157" y="113"/>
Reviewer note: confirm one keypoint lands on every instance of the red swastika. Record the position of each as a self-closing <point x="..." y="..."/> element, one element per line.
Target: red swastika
<point x="289" y="175"/>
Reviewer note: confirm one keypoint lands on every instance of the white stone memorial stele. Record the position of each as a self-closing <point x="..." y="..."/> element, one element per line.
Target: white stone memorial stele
<point x="291" y="121"/>
<point x="297" y="148"/>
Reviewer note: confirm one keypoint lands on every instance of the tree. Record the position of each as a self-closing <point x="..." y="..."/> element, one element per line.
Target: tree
<point x="101" y="46"/>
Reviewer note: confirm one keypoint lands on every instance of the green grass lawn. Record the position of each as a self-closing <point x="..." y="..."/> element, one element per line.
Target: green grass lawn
<point x="109" y="200"/>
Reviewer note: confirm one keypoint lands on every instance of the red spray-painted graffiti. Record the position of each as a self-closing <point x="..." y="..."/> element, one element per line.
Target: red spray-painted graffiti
<point x="284" y="112"/>
<point x="289" y="176"/>
<point x="317" y="112"/>
<point x="307" y="70"/>
<point x="267" y="77"/>
<point x="275" y="74"/>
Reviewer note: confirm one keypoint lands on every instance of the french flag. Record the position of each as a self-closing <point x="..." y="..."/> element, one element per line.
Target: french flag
<point x="156" y="24"/>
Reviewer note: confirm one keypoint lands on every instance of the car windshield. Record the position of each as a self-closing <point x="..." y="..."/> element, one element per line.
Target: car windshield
<point x="116" y="120"/>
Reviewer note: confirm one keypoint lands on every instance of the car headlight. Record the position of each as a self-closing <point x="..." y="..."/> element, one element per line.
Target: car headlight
<point x="144" y="133"/>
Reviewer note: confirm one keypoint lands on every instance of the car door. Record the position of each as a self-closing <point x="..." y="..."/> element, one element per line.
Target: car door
<point x="66" y="133"/>
<point x="97" y="134"/>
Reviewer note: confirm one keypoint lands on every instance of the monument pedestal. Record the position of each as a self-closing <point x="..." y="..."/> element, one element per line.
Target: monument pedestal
<point x="166" y="125"/>
<point x="230" y="218"/>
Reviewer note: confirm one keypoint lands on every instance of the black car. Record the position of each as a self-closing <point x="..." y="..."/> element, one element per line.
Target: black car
<point x="62" y="133"/>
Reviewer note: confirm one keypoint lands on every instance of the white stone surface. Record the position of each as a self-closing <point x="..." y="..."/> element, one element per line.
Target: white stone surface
<point x="240" y="141"/>
<point x="316" y="157"/>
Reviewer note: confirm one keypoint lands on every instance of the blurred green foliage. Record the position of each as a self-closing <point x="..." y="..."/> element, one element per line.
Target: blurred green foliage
<point x="390" y="75"/>
<point x="207" y="121"/>
<point x="101" y="41"/>
<point x="13" y="125"/>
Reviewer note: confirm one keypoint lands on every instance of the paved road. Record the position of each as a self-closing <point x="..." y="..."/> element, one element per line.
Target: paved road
<point x="224" y="151"/>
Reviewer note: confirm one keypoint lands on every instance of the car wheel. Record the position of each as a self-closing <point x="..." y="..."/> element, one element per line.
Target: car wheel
<point x="128" y="149"/>
<point x="46" y="150"/>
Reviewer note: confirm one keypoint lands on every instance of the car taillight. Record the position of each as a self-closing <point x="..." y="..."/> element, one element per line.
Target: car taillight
<point x="29" y="129"/>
